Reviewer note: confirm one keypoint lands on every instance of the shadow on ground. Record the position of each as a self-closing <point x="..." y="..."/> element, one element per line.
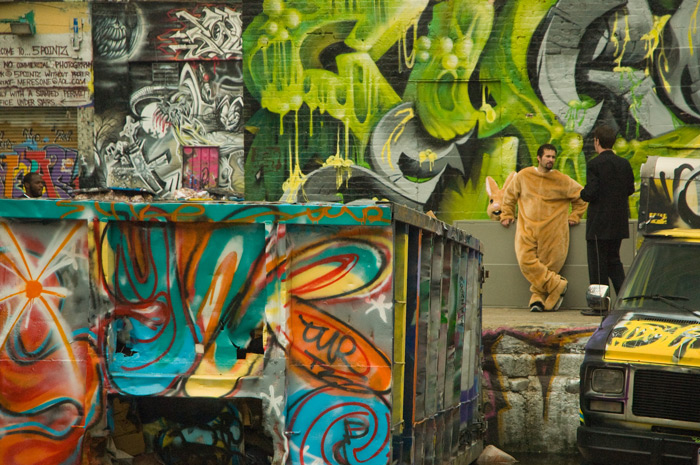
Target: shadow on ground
<point x="548" y="459"/>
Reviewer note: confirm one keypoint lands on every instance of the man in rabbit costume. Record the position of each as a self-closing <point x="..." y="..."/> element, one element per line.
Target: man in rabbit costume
<point x="544" y="197"/>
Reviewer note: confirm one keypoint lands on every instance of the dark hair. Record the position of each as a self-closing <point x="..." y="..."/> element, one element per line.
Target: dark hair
<point x="29" y="176"/>
<point x="606" y="136"/>
<point x="543" y="147"/>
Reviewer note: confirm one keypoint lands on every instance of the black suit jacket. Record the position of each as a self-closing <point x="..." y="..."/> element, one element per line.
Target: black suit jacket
<point x="609" y="183"/>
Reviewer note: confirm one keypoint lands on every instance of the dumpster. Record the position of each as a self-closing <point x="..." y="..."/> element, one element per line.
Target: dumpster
<point x="220" y="332"/>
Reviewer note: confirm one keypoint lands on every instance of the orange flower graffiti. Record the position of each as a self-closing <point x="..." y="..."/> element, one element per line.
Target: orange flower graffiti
<point x="49" y="386"/>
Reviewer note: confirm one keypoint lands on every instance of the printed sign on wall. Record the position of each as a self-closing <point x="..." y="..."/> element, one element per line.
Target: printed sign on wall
<point x="53" y="66"/>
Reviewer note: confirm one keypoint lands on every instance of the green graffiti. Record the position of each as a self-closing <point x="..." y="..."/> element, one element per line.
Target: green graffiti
<point x="505" y="60"/>
<point x="328" y="73"/>
<point x="577" y="112"/>
<point x="283" y="69"/>
<point x="445" y="61"/>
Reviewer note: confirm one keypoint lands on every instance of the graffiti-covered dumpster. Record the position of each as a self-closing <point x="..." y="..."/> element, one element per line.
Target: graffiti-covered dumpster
<point x="187" y="333"/>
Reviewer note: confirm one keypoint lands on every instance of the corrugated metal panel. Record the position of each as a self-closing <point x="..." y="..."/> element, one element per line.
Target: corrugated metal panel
<point x="44" y="140"/>
<point x="39" y="127"/>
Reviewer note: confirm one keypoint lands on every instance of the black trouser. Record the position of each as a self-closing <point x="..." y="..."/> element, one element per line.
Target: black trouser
<point x="604" y="262"/>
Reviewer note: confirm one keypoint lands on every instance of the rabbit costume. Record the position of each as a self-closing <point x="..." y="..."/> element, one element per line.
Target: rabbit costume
<point x="542" y="234"/>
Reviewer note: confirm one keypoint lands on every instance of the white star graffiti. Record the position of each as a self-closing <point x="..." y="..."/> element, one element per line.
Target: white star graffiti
<point x="274" y="402"/>
<point x="380" y="305"/>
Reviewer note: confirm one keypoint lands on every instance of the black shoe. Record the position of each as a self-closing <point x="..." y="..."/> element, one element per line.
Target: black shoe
<point x="537" y="307"/>
<point x="591" y="312"/>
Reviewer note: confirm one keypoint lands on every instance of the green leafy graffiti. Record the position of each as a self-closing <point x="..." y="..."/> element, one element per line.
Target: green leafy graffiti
<point x="445" y="61"/>
<point x="283" y="70"/>
<point x="419" y="102"/>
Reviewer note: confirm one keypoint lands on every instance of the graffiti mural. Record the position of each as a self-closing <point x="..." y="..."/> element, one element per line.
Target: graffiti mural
<point x="352" y="429"/>
<point x="417" y="102"/>
<point x="236" y="332"/>
<point x="654" y="342"/>
<point x="168" y="81"/>
<point x="185" y="298"/>
<point x="338" y="390"/>
<point x="671" y="200"/>
<point x="42" y="140"/>
<point x="50" y="375"/>
<point x="57" y="166"/>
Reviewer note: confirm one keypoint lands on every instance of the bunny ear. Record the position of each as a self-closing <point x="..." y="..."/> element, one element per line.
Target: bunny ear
<point x="509" y="178"/>
<point x="491" y="186"/>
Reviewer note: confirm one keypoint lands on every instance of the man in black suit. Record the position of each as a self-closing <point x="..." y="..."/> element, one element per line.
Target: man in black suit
<point x="609" y="183"/>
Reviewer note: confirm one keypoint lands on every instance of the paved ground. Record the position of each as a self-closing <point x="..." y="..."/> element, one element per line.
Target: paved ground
<point x="496" y="317"/>
<point x="548" y="459"/>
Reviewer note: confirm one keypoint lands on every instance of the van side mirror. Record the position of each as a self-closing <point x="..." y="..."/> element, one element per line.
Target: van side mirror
<point x="598" y="297"/>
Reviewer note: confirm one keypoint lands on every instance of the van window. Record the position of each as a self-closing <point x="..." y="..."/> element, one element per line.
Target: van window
<point x="667" y="269"/>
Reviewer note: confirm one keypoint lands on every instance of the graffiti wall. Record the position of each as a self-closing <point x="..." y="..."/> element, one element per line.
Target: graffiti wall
<point x="238" y="333"/>
<point x="411" y="101"/>
<point x="168" y="84"/>
<point x="45" y="76"/>
<point x="418" y="101"/>
<point x="531" y="386"/>
<point x="58" y="166"/>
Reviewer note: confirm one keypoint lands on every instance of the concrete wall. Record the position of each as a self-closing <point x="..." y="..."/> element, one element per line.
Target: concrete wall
<point x="506" y="286"/>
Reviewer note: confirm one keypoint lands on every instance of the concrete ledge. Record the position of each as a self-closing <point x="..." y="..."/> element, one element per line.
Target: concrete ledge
<point x="531" y="378"/>
<point x="511" y="317"/>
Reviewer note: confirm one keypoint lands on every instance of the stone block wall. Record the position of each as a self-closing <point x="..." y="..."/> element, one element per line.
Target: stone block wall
<point x="531" y="388"/>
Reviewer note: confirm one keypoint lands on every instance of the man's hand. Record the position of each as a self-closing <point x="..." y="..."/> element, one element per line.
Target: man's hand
<point x="506" y="222"/>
